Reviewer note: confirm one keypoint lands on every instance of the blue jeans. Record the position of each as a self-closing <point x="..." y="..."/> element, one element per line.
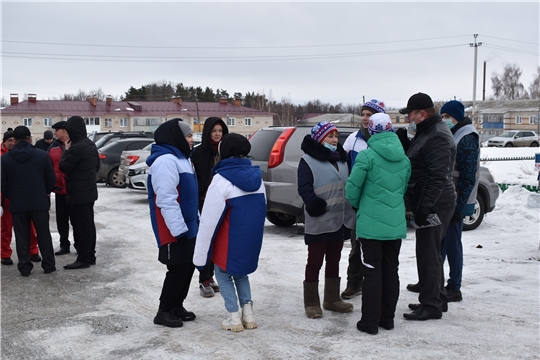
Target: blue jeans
<point x="452" y="248"/>
<point x="228" y="291"/>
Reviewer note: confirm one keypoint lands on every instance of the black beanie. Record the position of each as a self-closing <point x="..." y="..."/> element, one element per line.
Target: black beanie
<point x="8" y="134"/>
<point x="234" y="144"/>
<point x="48" y="135"/>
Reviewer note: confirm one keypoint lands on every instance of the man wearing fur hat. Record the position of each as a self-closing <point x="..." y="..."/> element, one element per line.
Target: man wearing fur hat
<point x="465" y="177"/>
<point x="356" y="142"/>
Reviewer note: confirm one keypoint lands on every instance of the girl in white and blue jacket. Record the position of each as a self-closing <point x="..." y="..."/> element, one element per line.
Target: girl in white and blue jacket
<point x="231" y="229"/>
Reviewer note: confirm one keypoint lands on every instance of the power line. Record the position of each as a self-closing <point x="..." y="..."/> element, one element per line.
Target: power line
<point x="498" y="38"/>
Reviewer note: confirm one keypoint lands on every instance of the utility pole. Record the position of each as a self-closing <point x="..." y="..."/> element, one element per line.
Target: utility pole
<point x="475" y="45"/>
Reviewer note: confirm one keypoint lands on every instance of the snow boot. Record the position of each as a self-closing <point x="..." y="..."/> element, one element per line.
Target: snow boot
<point x="332" y="300"/>
<point x="233" y="323"/>
<point x="312" y="303"/>
<point x="248" y="320"/>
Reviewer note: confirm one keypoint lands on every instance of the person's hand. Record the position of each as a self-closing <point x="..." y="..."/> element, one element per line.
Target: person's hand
<point x="457" y="218"/>
<point x="421" y="219"/>
<point x="67" y="144"/>
<point x="316" y="208"/>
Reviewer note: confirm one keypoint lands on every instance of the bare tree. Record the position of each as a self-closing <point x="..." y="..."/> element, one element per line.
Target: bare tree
<point x="4" y="102"/>
<point x="534" y="87"/>
<point x="507" y="85"/>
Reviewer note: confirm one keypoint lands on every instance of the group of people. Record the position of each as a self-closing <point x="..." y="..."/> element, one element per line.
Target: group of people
<point x="66" y="166"/>
<point x="432" y="175"/>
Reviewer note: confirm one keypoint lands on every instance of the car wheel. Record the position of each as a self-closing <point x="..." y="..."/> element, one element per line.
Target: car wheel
<point x="474" y="221"/>
<point x="280" y="219"/>
<point x="534" y="144"/>
<point x="115" y="180"/>
<point x="509" y="144"/>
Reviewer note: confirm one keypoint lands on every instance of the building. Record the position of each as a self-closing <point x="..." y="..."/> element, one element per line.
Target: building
<point x="109" y="115"/>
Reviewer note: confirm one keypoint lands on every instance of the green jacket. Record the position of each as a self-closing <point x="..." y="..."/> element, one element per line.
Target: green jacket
<point x="376" y="187"/>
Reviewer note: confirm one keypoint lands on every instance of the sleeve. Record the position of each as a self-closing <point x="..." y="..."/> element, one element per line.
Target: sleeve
<point x="467" y="154"/>
<point x="305" y="182"/>
<point x="212" y="211"/>
<point x="70" y="159"/>
<point x="165" y="182"/>
<point x="353" y="188"/>
<point x="50" y="176"/>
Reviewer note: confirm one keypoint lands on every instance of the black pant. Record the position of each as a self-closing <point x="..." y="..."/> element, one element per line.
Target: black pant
<point x="429" y="262"/>
<point x="380" y="288"/>
<point x="175" y="286"/>
<point x="206" y="273"/>
<point x="62" y="219"/>
<point x="21" y="225"/>
<point x="84" y="231"/>
<point x="354" y="270"/>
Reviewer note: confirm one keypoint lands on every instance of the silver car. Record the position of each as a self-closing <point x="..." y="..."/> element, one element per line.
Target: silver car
<point x="136" y="177"/>
<point x="511" y="138"/>
<point x="277" y="151"/>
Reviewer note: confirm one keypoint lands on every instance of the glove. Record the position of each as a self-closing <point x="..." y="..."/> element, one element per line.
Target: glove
<point x="421" y="219"/>
<point x="457" y="218"/>
<point x="403" y="138"/>
<point x="316" y="208"/>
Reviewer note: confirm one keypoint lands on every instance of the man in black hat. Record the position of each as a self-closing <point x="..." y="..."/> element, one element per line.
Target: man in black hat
<point x="27" y="180"/>
<point x="44" y="143"/>
<point x="430" y="191"/>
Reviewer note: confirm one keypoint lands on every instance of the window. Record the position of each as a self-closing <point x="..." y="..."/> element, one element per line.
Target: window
<point x="397" y="118"/>
<point x="231" y="121"/>
<point x="47" y="122"/>
<point x="248" y="121"/>
<point x="518" y="119"/>
<point x="146" y="121"/>
<point x="532" y="119"/>
<point x="91" y="121"/>
<point x="27" y="122"/>
<point x="108" y="122"/>
<point x="124" y="122"/>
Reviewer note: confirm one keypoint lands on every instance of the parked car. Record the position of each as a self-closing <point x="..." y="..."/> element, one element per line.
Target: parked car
<point x="110" y="159"/>
<point x="515" y="138"/>
<point x="108" y="137"/>
<point x="132" y="157"/>
<point x="136" y="176"/>
<point x="277" y="151"/>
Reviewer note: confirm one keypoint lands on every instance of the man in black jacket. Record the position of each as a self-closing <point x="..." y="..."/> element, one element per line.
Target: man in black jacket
<point x="80" y="163"/>
<point x="431" y="191"/>
<point x="27" y="180"/>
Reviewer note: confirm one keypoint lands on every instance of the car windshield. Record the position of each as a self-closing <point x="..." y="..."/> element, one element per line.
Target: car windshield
<point x="508" y="134"/>
<point x="102" y="141"/>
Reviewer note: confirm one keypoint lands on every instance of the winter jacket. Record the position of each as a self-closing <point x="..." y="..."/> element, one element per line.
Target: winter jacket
<point x="204" y="157"/>
<point x="467" y="165"/>
<point x="355" y="142"/>
<point x="232" y="220"/>
<point x="321" y="185"/>
<point x="27" y="178"/>
<point x="432" y="153"/>
<point x="42" y="144"/>
<point x="376" y="187"/>
<point x="55" y="153"/>
<point x="80" y="163"/>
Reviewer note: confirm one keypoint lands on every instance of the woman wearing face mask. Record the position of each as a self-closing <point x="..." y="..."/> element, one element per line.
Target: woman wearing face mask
<point x="329" y="218"/>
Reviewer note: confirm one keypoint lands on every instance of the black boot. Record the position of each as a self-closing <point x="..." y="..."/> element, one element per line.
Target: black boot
<point x="167" y="319"/>
<point x="183" y="314"/>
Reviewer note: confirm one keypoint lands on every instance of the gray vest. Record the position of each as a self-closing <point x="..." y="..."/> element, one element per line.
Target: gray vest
<point x="466" y="130"/>
<point x="329" y="185"/>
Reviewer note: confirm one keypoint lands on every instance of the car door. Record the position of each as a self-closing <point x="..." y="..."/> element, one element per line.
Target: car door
<point x="520" y="139"/>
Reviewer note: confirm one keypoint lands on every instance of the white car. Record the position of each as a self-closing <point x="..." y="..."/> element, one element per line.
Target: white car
<point x="137" y="176"/>
<point x="513" y="138"/>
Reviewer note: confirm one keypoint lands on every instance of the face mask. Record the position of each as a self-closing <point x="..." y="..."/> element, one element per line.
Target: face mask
<point x="411" y="129"/>
<point x="331" y="147"/>
<point x="449" y="123"/>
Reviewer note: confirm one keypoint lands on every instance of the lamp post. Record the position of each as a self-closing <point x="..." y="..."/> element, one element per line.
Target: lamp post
<point x="475" y="45"/>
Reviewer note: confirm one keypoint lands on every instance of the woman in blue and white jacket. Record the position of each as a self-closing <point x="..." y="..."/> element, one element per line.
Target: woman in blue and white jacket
<point x="232" y="227"/>
<point x="174" y="212"/>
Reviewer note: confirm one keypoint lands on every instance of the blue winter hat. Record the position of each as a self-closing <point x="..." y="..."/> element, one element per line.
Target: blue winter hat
<point x="455" y="109"/>
<point x="321" y="130"/>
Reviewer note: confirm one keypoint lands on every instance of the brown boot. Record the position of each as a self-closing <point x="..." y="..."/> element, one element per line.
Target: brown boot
<point x="312" y="303"/>
<point x="332" y="300"/>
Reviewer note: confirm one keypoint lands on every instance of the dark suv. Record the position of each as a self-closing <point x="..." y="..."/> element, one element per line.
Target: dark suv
<point x="102" y="138"/>
<point x="277" y="151"/>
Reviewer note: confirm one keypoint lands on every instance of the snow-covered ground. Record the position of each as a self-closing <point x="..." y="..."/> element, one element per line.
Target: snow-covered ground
<point x="106" y="312"/>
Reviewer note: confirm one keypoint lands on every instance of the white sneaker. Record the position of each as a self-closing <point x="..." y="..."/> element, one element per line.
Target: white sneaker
<point x="206" y="290"/>
<point x="248" y="319"/>
<point x="233" y="323"/>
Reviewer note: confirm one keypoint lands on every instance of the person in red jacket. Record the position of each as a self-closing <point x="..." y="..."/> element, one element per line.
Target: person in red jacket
<point x="56" y="150"/>
<point x="8" y="141"/>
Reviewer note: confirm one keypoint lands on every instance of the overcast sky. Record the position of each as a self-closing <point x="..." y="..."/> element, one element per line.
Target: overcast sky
<point x="334" y="52"/>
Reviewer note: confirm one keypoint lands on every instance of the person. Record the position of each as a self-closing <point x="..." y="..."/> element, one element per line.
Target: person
<point x="6" y="232"/>
<point x="56" y="149"/>
<point x="329" y="218"/>
<point x="44" y="143"/>
<point x="174" y="213"/>
<point x="27" y="181"/>
<point x="430" y="192"/>
<point x="80" y="163"/>
<point x="465" y="176"/>
<point x="232" y="227"/>
<point x="376" y="187"/>
<point x="204" y="158"/>
<point x="356" y="142"/>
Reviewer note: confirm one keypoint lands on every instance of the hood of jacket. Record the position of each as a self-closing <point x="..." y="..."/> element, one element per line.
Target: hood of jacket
<point x="387" y="146"/>
<point x="22" y="151"/>
<point x="240" y="172"/>
<point x="158" y="150"/>
<point x="318" y="151"/>
<point x="169" y="133"/>
<point x="76" y="128"/>
<point x="206" y="141"/>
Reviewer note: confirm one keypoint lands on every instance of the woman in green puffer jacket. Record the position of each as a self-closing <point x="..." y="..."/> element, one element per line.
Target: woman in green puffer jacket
<point x="376" y="187"/>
